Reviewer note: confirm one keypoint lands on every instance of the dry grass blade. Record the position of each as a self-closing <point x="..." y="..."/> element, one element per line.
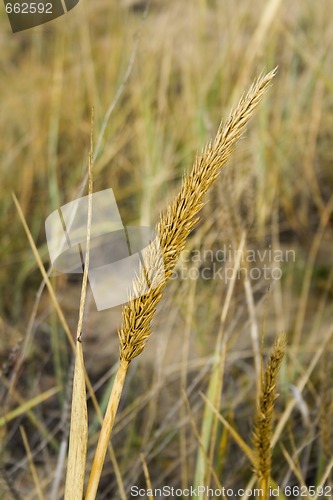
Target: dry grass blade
<point x="326" y="414"/>
<point x="324" y="478"/>
<point x="262" y="435"/>
<point x="34" y="474"/>
<point x="28" y="405"/>
<point x="235" y="435"/>
<point x="207" y="459"/>
<point x="181" y="216"/>
<point x="44" y="273"/>
<point x="146" y="474"/>
<point x="78" y="440"/>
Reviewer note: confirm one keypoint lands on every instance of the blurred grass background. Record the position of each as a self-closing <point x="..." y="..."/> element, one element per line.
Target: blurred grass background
<point x="179" y="66"/>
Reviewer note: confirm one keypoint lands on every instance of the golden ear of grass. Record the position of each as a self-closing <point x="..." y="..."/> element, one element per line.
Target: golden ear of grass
<point x="181" y="216"/>
<point x="262" y="434"/>
<point x="172" y="230"/>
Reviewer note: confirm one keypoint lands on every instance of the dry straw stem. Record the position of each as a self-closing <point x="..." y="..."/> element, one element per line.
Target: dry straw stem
<point x="78" y="437"/>
<point x="104" y="436"/>
<point x="172" y="230"/>
<point x="262" y="435"/>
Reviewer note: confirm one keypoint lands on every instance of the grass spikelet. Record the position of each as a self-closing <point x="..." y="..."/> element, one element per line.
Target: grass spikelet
<point x="262" y="434"/>
<point x="181" y="216"/>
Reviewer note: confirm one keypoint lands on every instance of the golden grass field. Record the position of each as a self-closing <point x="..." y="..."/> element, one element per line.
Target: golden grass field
<point x="161" y="77"/>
